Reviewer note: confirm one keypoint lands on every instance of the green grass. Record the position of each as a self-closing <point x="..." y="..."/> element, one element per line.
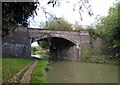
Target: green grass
<point x="11" y="66"/>
<point x="22" y="73"/>
<point x="39" y="73"/>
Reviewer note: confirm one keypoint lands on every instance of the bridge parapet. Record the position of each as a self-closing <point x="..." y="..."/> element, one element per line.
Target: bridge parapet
<point x="44" y="31"/>
<point x="73" y="36"/>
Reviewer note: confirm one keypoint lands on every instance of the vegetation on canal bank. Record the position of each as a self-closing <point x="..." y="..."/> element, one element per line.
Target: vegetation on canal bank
<point x="11" y="66"/>
<point x="101" y="57"/>
<point x="39" y="74"/>
<point x="107" y="29"/>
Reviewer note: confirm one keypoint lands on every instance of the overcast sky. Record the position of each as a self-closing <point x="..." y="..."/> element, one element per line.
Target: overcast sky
<point x="99" y="7"/>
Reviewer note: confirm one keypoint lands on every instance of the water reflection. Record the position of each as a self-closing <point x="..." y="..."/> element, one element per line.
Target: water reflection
<point x="64" y="71"/>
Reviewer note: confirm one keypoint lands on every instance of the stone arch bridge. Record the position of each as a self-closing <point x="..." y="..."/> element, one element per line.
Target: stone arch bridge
<point x="68" y="44"/>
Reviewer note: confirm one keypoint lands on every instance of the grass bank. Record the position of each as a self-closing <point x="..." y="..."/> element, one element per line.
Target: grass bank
<point x="39" y="74"/>
<point x="11" y="66"/>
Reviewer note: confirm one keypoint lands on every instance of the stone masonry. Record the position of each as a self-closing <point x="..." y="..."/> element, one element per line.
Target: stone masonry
<point x="19" y="44"/>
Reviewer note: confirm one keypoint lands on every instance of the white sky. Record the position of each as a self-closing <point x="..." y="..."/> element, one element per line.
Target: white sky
<point x="34" y="44"/>
<point x="99" y="7"/>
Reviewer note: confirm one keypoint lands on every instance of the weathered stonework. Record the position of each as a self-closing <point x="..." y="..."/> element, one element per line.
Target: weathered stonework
<point x="17" y="45"/>
<point x="20" y="43"/>
<point x="16" y="49"/>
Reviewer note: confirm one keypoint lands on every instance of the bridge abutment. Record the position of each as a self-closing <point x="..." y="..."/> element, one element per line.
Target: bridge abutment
<point x="17" y="45"/>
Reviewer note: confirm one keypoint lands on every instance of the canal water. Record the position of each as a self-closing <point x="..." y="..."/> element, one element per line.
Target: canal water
<point x="64" y="71"/>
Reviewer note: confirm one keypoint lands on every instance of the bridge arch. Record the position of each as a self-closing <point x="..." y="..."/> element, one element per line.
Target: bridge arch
<point x="69" y="50"/>
<point x="46" y="37"/>
<point x="37" y="34"/>
<point x="64" y="48"/>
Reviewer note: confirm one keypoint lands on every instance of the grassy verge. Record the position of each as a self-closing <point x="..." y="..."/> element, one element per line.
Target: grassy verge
<point x="11" y="66"/>
<point x="22" y="73"/>
<point x="39" y="74"/>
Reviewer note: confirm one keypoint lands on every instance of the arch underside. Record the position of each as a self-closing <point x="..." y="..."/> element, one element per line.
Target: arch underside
<point x="48" y="37"/>
<point x="64" y="48"/>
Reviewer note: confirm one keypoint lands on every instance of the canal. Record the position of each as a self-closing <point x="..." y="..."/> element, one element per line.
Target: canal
<point x="64" y="71"/>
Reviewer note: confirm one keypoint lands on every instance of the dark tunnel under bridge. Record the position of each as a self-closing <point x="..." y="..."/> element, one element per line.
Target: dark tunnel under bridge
<point x="62" y="48"/>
